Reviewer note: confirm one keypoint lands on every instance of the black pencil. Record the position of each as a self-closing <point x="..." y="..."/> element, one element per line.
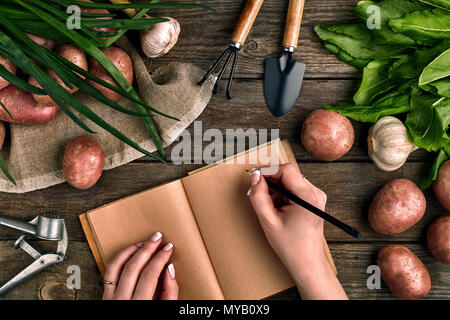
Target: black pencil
<point x="327" y="217"/>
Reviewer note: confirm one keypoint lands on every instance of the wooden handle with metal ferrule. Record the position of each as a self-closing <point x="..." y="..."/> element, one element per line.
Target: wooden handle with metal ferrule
<point x="293" y="23"/>
<point x="246" y="20"/>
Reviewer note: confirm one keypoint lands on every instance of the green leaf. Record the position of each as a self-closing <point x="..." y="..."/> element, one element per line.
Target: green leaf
<point x="426" y="182"/>
<point x="375" y="81"/>
<point x="443" y="4"/>
<point x="356" y="41"/>
<point x="424" y="26"/>
<point x="389" y="9"/>
<point x="6" y="172"/>
<point x="438" y="69"/>
<point x="344" y="56"/>
<point x="130" y="24"/>
<point x="391" y="104"/>
<point x="439" y="87"/>
<point x="139" y="5"/>
<point x="18" y="82"/>
<point x="411" y="65"/>
<point x="428" y="121"/>
<point x="6" y="110"/>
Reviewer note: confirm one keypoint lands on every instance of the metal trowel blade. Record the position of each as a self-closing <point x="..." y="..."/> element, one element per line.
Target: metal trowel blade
<point x="282" y="83"/>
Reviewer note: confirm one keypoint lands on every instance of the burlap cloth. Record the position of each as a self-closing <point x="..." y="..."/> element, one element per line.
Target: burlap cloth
<point x="34" y="154"/>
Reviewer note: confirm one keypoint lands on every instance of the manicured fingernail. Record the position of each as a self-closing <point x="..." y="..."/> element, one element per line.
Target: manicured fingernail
<point x="256" y="175"/>
<point x="248" y="192"/>
<point x="140" y="244"/>
<point x="171" y="270"/>
<point x="168" y="247"/>
<point x="156" y="236"/>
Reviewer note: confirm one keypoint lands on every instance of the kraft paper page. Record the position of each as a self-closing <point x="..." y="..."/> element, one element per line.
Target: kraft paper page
<point x="244" y="262"/>
<point x="165" y="209"/>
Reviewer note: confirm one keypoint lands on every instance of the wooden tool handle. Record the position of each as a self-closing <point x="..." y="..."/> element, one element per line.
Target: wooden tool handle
<point x="293" y="23"/>
<point x="246" y="20"/>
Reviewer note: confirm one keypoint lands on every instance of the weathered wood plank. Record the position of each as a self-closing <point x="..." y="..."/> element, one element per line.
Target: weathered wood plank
<point x="248" y="110"/>
<point x="351" y="261"/>
<point x="204" y="35"/>
<point x="350" y="188"/>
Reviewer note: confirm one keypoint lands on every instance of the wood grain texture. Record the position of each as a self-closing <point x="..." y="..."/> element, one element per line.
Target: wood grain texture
<point x="246" y="21"/>
<point x="204" y="35"/>
<point x="351" y="261"/>
<point x="293" y="23"/>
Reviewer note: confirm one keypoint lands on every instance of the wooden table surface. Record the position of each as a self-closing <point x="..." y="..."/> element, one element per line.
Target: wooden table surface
<point x="350" y="182"/>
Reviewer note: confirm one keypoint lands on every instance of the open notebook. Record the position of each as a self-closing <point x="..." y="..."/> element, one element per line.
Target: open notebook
<point x="220" y="250"/>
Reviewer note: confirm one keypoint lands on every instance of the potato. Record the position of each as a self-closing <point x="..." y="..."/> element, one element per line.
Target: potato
<point x="83" y="162"/>
<point x="403" y="272"/>
<point x="396" y="207"/>
<point x="441" y="186"/>
<point x="47" y="43"/>
<point x="102" y="11"/>
<point x="123" y="63"/>
<point x="11" y="67"/>
<point x="23" y="108"/>
<point x="327" y="135"/>
<point x="75" y="55"/>
<point x="438" y="239"/>
<point x="2" y="134"/>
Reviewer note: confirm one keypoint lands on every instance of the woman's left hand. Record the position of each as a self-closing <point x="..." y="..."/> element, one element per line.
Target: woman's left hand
<point x="139" y="272"/>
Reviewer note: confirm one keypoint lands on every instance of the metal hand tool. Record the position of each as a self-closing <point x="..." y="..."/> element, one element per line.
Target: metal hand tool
<point x="283" y="76"/>
<point x="46" y="226"/>
<point x="238" y="38"/>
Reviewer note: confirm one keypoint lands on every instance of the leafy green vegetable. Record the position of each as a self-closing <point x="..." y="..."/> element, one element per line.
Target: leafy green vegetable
<point x="389" y="9"/>
<point x="375" y="81"/>
<point x="426" y="182"/>
<point x="439" y="87"/>
<point x="438" y="69"/>
<point x="443" y="4"/>
<point x="344" y="56"/>
<point x="357" y="41"/>
<point x="6" y="172"/>
<point x="424" y="26"/>
<point x="428" y="121"/>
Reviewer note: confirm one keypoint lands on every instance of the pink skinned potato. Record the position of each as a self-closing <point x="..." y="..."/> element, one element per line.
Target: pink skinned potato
<point x="327" y="135"/>
<point x="438" y="239"/>
<point x="23" y="108"/>
<point x="396" y="207"/>
<point x="75" y="55"/>
<point x="2" y="134"/>
<point x="441" y="186"/>
<point x="403" y="272"/>
<point x="47" y="43"/>
<point x="102" y="11"/>
<point x="5" y="62"/>
<point x="83" y="162"/>
<point x="123" y="63"/>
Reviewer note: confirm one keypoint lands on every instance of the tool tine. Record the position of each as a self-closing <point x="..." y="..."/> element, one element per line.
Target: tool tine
<point x="221" y="73"/>
<point x="233" y="69"/>
<point x="211" y="70"/>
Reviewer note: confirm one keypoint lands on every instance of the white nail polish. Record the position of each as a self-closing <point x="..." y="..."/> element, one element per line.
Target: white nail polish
<point x="171" y="270"/>
<point x="248" y="192"/>
<point x="155" y="237"/>
<point x="168" y="247"/>
<point x="256" y="176"/>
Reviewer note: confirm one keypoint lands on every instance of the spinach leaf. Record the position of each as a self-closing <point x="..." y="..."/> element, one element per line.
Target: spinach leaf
<point x="424" y="26"/>
<point x="411" y="65"/>
<point x="439" y="87"/>
<point x="428" y="121"/>
<point x="390" y="104"/>
<point x="375" y="81"/>
<point x="357" y="41"/>
<point x="389" y="9"/>
<point x="438" y="69"/>
<point x="443" y="4"/>
<point x="426" y="182"/>
<point x="344" y="56"/>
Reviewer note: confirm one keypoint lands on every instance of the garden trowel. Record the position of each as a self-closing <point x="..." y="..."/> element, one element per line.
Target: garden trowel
<point x="283" y="76"/>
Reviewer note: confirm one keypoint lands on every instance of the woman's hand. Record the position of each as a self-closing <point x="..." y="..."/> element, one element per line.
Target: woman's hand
<point x="139" y="272"/>
<point x="294" y="233"/>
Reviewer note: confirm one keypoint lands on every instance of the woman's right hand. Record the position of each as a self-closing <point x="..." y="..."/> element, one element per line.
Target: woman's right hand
<point x="295" y="233"/>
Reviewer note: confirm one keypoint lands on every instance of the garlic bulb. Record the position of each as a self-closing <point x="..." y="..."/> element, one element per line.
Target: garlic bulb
<point x="160" y="38"/>
<point x="388" y="144"/>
